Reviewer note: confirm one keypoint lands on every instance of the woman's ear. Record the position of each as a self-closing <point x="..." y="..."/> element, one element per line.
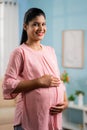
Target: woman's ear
<point x="25" y="26"/>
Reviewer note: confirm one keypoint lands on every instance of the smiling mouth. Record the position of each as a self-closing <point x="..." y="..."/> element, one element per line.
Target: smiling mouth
<point x="40" y="34"/>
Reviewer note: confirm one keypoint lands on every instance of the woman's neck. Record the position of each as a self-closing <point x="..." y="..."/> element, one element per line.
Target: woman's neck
<point x="34" y="45"/>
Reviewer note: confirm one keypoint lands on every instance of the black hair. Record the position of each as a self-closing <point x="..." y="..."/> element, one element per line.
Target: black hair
<point x="29" y="16"/>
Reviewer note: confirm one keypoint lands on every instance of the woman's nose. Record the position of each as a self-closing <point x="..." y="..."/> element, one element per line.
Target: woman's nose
<point x="40" y="27"/>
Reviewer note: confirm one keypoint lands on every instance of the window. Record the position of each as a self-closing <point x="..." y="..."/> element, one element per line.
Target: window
<point x="8" y="31"/>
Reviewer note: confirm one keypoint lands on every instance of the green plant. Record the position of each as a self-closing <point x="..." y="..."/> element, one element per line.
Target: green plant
<point x="71" y="97"/>
<point x="65" y="77"/>
<point x="79" y="92"/>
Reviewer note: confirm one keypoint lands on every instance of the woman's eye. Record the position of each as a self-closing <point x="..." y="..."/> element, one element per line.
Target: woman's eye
<point x="38" y="24"/>
<point x="35" y="24"/>
<point x="44" y="24"/>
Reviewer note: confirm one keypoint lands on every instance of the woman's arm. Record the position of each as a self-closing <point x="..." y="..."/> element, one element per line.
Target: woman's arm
<point x="42" y="82"/>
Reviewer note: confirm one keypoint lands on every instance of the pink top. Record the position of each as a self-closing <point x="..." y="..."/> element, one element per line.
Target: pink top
<point x="32" y="110"/>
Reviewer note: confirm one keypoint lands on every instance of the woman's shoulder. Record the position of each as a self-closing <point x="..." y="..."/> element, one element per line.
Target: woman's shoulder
<point x="18" y="49"/>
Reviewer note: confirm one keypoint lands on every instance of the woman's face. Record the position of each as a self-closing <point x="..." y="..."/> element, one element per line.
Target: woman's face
<point x="36" y="28"/>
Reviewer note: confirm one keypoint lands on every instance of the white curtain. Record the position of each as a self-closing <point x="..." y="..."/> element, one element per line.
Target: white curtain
<point x="8" y="31"/>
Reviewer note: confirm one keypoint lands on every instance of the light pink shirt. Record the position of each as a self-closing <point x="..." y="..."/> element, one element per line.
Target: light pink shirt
<point x="32" y="110"/>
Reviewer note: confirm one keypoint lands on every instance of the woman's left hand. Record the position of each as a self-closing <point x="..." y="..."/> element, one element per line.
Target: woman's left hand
<point x="57" y="108"/>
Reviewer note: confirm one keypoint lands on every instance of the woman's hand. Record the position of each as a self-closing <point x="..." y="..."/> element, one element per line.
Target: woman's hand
<point x="58" y="108"/>
<point x="42" y="82"/>
<point x="49" y="81"/>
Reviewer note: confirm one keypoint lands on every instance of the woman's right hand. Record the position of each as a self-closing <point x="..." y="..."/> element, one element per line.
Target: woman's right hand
<point x="43" y="82"/>
<point x="49" y="81"/>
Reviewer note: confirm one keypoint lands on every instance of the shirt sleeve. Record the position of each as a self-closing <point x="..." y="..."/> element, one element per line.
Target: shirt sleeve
<point x="12" y="76"/>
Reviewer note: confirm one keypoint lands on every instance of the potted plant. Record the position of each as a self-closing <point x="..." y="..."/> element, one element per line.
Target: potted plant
<point x="71" y="99"/>
<point x="80" y="94"/>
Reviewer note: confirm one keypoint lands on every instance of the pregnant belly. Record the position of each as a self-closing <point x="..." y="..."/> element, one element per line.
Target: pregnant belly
<point x="41" y="98"/>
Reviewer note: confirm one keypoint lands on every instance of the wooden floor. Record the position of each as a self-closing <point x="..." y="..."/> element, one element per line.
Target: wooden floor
<point x="6" y="127"/>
